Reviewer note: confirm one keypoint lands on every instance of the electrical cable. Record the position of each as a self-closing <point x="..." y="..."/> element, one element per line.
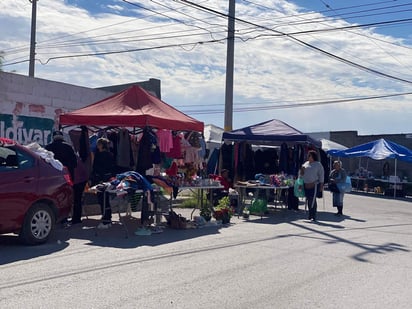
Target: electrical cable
<point x="310" y="46"/>
<point x="293" y="105"/>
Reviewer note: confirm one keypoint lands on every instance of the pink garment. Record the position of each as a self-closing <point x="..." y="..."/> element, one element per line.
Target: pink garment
<point x="165" y="140"/>
<point x="191" y="155"/>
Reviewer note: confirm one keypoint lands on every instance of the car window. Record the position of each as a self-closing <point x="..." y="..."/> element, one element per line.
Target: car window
<point x="5" y="152"/>
<point x="11" y="158"/>
<point x="25" y="160"/>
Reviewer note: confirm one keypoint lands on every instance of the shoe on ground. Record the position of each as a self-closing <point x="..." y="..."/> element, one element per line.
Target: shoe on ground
<point x="156" y="229"/>
<point x="104" y="225"/>
<point x="143" y="232"/>
<point x="75" y="222"/>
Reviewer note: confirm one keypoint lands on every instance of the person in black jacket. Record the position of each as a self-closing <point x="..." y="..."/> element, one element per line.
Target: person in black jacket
<point x="103" y="169"/>
<point x="63" y="152"/>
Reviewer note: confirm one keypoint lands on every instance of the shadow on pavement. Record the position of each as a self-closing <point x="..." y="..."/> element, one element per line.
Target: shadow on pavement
<point x="12" y="250"/>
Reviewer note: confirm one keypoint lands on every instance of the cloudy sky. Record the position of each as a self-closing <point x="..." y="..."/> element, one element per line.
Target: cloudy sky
<point x="319" y="65"/>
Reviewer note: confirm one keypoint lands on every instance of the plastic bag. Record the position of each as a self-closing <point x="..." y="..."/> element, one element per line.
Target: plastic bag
<point x="345" y="187"/>
<point x="258" y="206"/>
<point x="298" y="189"/>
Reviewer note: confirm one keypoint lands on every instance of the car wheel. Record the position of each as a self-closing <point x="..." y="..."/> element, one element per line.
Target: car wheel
<point x="38" y="225"/>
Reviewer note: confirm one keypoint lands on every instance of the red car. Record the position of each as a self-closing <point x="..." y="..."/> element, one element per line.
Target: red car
<point x="34" y="194"/>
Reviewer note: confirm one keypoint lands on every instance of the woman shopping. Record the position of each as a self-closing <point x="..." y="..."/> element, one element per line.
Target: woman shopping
<point x="103" y="170"/>
<point x="313" y="174"/>
<point x="337" y="177"/>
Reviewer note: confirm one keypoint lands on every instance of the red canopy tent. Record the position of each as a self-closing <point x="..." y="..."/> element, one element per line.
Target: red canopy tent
<point x="132" y="107"/>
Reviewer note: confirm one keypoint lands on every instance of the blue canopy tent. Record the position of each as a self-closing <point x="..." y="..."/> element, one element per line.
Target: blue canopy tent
<point x="271" y="133"/>
<point x="378" y="150"/>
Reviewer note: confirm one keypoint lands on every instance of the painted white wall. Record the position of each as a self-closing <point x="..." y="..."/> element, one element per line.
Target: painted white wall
<point x="30" y="107"/>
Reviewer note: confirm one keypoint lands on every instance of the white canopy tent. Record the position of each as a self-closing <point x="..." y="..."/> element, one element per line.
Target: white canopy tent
<point x="328" y="145"/>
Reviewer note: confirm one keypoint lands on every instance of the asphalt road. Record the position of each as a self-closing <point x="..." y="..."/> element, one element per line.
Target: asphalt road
<point x="361" y="260"/>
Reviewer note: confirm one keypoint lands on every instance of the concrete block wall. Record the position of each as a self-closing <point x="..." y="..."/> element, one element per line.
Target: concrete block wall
<point x="30" y="107"/>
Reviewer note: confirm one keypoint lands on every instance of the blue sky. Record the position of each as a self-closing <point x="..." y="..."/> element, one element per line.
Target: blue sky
<point x="365" y="12"/>
<point x="310" y="64"/>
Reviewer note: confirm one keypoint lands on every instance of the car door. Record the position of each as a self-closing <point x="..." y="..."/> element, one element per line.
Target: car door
<point x="18" y="178"/>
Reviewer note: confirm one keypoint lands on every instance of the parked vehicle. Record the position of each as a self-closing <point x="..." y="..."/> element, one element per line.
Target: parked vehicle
<point x="34" y="193"/>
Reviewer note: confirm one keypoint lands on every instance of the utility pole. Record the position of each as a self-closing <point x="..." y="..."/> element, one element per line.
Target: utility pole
<point x="230" y="54"/>
<point x="33" y="37"/>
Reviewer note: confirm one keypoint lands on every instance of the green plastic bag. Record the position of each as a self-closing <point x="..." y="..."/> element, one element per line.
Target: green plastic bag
<point x="298" y="189"/>
<point x="258" y="206"/>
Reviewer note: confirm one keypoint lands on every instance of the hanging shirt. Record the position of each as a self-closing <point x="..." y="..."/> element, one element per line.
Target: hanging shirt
<point x="176" y="151"/>
<point x="165" y="140"/>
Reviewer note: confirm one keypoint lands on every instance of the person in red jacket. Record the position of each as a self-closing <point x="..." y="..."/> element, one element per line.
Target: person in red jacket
<point x="225" y="181"/>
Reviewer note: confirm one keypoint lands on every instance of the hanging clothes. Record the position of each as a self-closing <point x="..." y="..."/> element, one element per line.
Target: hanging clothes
<point x="298" y="159"/>
<point x="202" y="150"/>
<point x="284" y="158"/>
<point x="147" y="146"/>
<point x="212" y="163"/>
<point x="227" y="157"/>
<point x="124" y="157"/>
<point x="176" y="151"/>
<point x="165" y="140"/>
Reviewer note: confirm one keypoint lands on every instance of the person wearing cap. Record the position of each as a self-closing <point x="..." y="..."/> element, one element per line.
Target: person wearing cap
<point x="63" y="152"/>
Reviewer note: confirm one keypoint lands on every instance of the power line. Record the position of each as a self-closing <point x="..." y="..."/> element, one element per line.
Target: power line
<point x="373" y="41"/>
<point x="310" y="46"/>
<point x="132" y="50"/>
<point x="77" y="42"/>
<point x="162" y="14"/>
<point x="370" y="38"/>
<point x="292" y="105"/>
<point x="111" y="40"/>
<point x="277" y="33"/>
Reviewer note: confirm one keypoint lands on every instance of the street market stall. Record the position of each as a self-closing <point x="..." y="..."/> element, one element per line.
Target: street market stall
<point x="134" y="111"/>
<point x="133" y="107"/>
<point x="281" y="153"/>
<point x="379" y="150"/>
